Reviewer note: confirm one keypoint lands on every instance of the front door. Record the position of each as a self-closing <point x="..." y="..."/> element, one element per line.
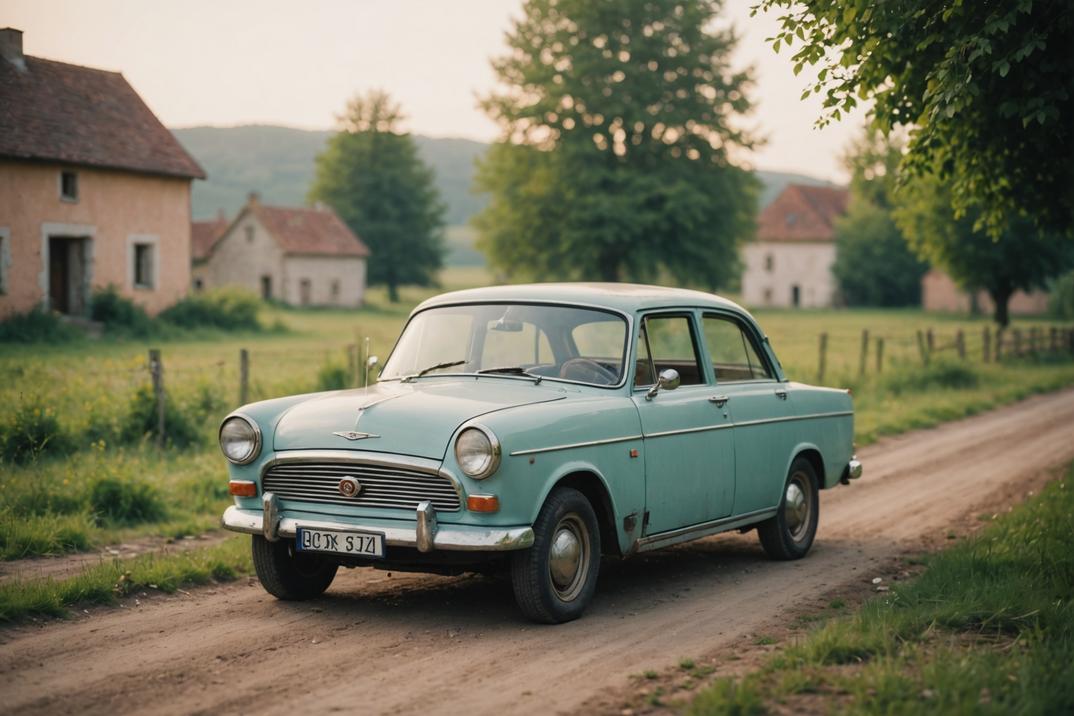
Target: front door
<point x="68" y="277"/>
<point x="688" y="448"/>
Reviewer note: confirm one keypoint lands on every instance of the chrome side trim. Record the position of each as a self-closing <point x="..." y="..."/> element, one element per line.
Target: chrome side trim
<point x="571" y="446"/>
<point x="683" y="431"/>
<point x="448" y="537"/>
<point x="685" y="534"/>
<point x="764" y="421"/>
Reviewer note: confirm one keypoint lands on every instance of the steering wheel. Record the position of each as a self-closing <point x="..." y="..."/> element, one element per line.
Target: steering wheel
<point x="587" y="371"/>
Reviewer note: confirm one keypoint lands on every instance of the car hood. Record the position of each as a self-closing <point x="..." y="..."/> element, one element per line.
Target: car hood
<point x="416" y="418"/>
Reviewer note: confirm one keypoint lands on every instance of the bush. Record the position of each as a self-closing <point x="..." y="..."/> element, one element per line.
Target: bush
<point x="180" y="429"/>
<point x="1061" y="301"/>
<point x="119" y="313"/>
<point x="944" y="373"/>
<point x="37" y="326"/>
<point x="126" y="502"/>
<point x="225" y="308"/>
<point x="333" y="376"/>
<point x="32" y="430"/>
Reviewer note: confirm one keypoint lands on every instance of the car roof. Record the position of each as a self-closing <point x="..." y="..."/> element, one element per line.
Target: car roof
<point x="623" y="297"/>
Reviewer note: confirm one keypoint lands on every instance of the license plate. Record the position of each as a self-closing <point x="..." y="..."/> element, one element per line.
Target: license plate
<point x="364" y="544"/>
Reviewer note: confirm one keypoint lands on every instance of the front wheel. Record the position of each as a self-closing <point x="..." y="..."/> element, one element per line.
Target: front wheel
<point x="789" y="534"/>
<point x="288" y="574"/>
<point x="555" y="579"/>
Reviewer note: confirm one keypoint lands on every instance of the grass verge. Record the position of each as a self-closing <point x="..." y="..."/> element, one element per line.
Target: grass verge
<point x="987" y="628"/>
<point x="107" y="582"/>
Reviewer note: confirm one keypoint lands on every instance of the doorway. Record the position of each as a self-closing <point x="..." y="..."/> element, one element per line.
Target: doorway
<point x="796" y="296"/>
<point x="266" y="288"/>
<point x="69" y="274"/>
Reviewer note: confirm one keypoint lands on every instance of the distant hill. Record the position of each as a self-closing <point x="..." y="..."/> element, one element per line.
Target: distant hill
<point x="278" y="162"/>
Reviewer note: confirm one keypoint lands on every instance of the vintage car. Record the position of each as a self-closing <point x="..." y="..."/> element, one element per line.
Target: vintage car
<point x="534" y="429"/>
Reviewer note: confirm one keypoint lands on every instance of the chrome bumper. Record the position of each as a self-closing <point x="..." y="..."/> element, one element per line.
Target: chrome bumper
<point x="853" y="471"/>
<point x="425" y="535"/>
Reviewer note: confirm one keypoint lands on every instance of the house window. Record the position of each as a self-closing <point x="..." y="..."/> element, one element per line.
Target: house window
<point x="142" y="253"/>
<point x="69" y="186"/>
<point x="768" y="297"/>
<point x="199" y="284"/>
<point x="305" y="288"/>
<point x="249" y="234"/>
<point x="769" y="262"/>
<point x="266" y="288"/>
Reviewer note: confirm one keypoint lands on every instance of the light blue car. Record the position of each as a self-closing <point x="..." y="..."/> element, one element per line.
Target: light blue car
<point x="534" y="429"/>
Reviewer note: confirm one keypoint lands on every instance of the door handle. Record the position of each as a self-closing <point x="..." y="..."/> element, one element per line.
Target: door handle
<point x="719" y="400"/>
<point x="781" y="393"/>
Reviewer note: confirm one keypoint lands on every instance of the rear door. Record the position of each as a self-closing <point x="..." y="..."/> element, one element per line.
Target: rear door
<point x="688" y="449"/>
<point x="758" y="404"/>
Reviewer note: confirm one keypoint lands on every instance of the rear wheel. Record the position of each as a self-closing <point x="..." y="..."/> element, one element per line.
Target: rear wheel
<point x="789" y="534"/>
<point x="555" y="579"/>
<point x="288" y="574"/>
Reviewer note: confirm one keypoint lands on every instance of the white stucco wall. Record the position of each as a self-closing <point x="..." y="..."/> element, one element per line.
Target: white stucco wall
<point x="807" y="265"/>
<point x="321" y="272"/>
<point x="239" y="261"/>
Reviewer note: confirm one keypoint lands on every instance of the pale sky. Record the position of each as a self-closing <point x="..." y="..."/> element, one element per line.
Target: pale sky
<point x="232" y="62"/>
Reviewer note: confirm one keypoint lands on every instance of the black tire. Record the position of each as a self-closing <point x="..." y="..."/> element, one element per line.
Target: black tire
<point x="553" y="594"/>
<point x="789" y="534"/>
<point x="290" y="575"/>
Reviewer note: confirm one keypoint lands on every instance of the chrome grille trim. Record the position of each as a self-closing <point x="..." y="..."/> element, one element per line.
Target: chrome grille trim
<point x="315" y="478"/>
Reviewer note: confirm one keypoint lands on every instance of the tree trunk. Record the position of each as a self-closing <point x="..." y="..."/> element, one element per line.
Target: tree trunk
<point x="1001" y="297"/>
<point x="393" y="291"/>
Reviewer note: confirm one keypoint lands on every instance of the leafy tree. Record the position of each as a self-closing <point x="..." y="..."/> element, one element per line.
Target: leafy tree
<point x="1022" y="257"/>
<point x="370" y="173"/>
<point x="874" y="265"/>
<point x="618" y="130"/>
<point x="986" y="87"/>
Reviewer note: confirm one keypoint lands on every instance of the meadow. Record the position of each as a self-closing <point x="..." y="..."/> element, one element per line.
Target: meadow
<point x="94" y="475"/>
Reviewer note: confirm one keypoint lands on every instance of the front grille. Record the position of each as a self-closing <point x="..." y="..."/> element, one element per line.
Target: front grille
<point x="389" y="487"/>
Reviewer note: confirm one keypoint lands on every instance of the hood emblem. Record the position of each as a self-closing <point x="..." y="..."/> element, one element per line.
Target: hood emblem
<point x="349" y="487"/>
<point x="355" y="435"/>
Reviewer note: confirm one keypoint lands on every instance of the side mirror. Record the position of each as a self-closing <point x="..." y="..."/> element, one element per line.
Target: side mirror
<point x="372" y="363"/>
<point x="667" y="380"/>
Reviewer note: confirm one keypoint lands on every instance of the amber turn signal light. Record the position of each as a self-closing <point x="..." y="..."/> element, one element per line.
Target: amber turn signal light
<point x="483" y="503"/>
<point x="242" y="488"/>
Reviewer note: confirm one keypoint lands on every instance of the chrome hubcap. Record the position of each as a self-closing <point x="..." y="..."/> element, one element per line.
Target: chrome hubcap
<point x="796" y="506"/>
<point x="568" y="558"/>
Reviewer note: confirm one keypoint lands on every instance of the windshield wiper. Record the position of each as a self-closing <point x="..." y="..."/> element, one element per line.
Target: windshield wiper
<point x="513" y="370"/>
<point x="430" y="369"/>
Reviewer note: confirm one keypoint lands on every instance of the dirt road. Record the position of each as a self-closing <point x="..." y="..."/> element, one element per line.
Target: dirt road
<point x="416" y="644"/>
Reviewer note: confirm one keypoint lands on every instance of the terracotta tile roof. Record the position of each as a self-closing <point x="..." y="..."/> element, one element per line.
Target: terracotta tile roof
<point x="802" y="213"/>
<point x="204" y="235"/>
<point x="309" y="231"/>
<point x="52" y="111"/>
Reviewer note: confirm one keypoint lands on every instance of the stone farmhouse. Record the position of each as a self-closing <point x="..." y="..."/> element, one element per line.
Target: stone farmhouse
<point x="300" y="256"/>
<point x="790" y="262"/>
<point x="94" y="190"/>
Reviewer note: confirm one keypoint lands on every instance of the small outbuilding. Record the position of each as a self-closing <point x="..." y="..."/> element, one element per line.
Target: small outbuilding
<point x="301" y="256"/>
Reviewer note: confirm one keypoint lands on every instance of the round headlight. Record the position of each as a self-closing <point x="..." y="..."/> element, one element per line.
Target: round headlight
<point x="240" y="439"/>
<point x="478" y="452"/>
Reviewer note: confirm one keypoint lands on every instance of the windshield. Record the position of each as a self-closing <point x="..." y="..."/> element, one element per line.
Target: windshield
<point x="557" y="342"/>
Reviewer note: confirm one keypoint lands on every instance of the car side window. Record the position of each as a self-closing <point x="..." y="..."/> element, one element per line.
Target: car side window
<point x="734" y="355"/>
<point x="670" y="344"/>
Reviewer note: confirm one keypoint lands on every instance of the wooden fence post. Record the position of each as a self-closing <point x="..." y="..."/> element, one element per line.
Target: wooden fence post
<point x="1017" y="342"/>
<point x="244" y="376"/>
<point x="864" y="351"/>
<point x="931" y="341"/>
<point x="879" y="354"/>
<point x="999" y="344"/>
<point x="960" y="344"/>
<point x="823" y="357"/>
<point x="986" y="340"/>
<point x="921" y="347"/>
<point x="156" y="371"/>
<point x="1053" y="339"/>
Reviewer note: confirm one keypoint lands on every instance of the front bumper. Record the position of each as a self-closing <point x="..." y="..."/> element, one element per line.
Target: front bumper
<point x="425" y="535"/>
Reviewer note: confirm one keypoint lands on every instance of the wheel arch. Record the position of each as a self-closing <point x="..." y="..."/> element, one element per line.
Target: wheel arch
<point x="588" y="480"/>
<point x="811" y="453"/>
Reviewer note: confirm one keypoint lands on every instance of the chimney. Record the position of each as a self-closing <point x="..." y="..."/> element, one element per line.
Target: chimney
<point x="11" y="47"/>
<point x="253" y="200"/>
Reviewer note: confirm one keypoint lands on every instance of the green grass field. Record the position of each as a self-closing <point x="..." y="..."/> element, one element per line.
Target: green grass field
<point x="81" y="396"/>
